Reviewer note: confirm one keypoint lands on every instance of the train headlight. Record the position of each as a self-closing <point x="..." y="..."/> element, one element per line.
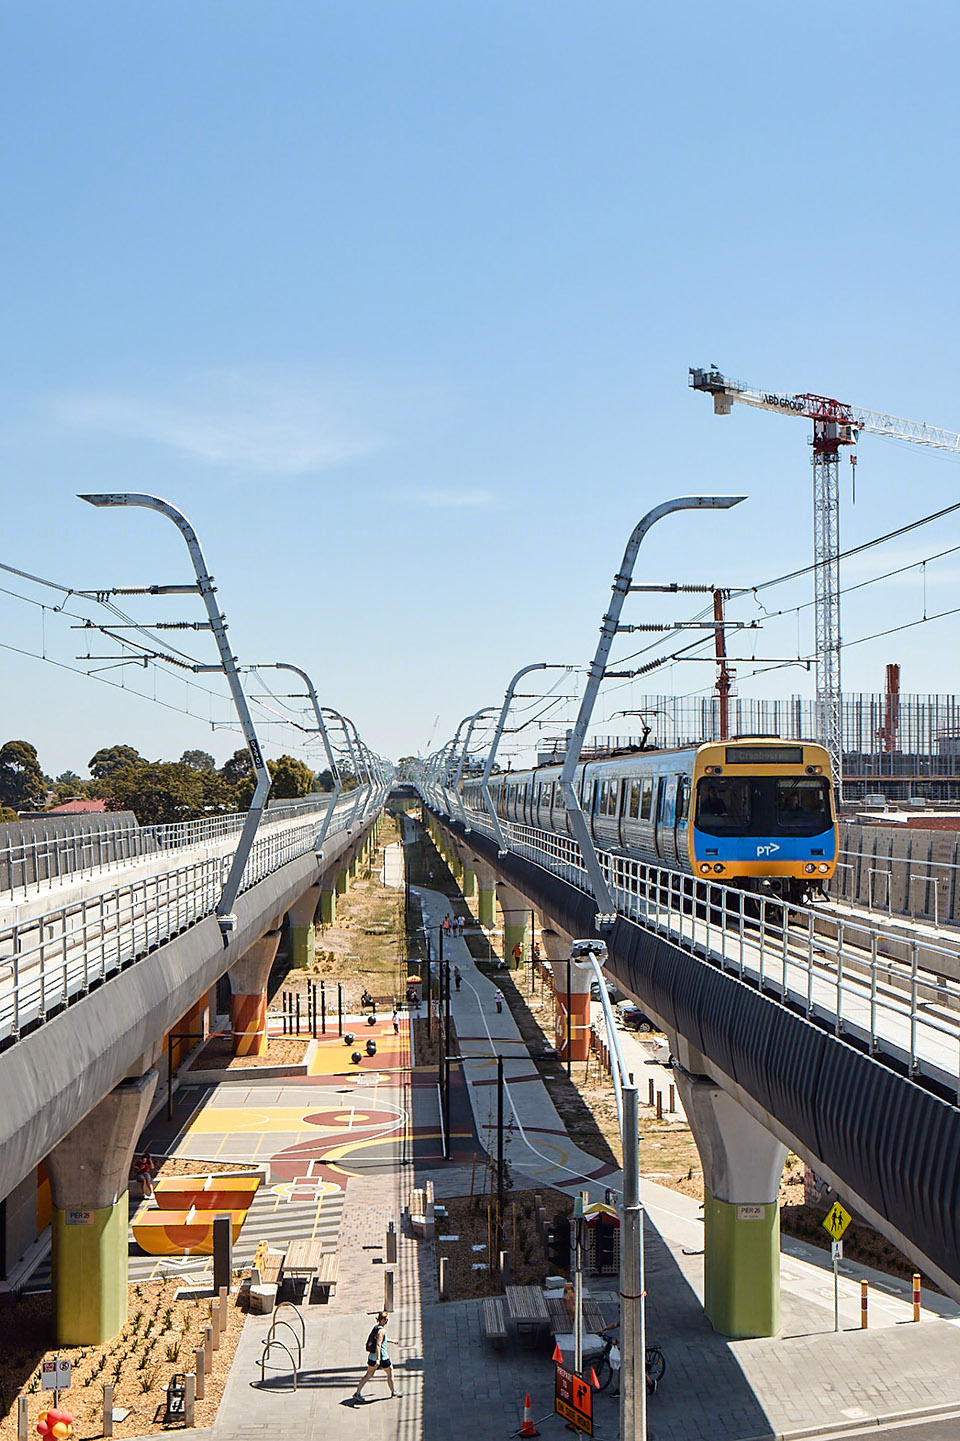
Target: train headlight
<point x="814" y="770"/>
<point x="718" y="869"/>
<point x="810" y="868"/>
<point x="705" y="868"/>
<point x="823" y="869"/>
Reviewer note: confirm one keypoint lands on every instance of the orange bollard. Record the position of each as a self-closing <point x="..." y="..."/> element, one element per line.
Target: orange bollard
<point x="916" y="1295"/>
<point x="864" y="1287"/>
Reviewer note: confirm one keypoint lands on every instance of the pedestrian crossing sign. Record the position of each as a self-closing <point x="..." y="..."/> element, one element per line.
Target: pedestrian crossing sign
<point x="837" y="1221"/>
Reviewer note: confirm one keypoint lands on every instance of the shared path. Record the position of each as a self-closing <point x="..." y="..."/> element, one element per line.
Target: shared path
<point x="345" y="1146"/>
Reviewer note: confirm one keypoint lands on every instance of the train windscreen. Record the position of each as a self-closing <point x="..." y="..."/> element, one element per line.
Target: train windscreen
<point x="761" y="805"/>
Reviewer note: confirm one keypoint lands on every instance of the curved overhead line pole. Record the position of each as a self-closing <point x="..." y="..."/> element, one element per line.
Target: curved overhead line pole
<point x="466" y="746"/>
<point x="228" y="664"/>
<point x="596" y="673"/>
<point x="321" y="727"/>
<point x="488" y="768"/>
<point x="344" y="721"/>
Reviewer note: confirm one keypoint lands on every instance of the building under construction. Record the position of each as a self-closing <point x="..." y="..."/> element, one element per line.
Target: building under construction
<point x="899" y="747"/>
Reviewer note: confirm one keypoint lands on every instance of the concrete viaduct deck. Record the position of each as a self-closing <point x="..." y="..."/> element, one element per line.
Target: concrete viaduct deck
<point x="96" y="971"/>
<point x="772" y="1054"/>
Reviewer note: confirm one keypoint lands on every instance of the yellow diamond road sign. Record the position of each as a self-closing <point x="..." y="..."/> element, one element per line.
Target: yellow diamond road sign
<point x="837" y="1221"/>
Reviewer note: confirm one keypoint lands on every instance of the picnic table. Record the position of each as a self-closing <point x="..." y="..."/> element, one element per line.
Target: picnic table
<point x="561" y="1320"/>
<point x="528" y="1309"/>
<point x="308" y="1261"/>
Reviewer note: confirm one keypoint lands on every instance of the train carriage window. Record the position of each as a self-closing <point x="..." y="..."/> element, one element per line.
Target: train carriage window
<point x="683" y="799"/>
<point x="723" y="804"/>
<point x="803" y="805"/>
<point x="646" y="803"/>
<point x="633" y="804"/>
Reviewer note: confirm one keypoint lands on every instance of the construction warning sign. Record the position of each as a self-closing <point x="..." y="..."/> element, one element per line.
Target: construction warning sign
<point x="837" y="1221"/>
<point x="573" y="1400"/>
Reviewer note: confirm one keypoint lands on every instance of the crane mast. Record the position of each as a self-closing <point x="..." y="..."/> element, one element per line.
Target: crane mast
<point x="834" y="425"/>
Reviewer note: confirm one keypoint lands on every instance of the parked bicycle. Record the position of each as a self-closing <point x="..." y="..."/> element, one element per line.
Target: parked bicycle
<point x="607" y="1372"/>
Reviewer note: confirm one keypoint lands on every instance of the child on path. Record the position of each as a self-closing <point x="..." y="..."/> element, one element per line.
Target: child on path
<point x="377" y="1358"/>
<point x="396" y="1021"/>
<point x="498" y="997"/>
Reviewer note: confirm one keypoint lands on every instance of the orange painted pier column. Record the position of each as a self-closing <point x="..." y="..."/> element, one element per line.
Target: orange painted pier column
<point x="248" y="998"/>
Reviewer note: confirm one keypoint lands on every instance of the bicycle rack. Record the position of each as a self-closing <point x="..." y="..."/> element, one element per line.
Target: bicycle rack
<point x="263" y="1360"/>
<point x="273" y="1326"/>
<point x="299" y="1315"/>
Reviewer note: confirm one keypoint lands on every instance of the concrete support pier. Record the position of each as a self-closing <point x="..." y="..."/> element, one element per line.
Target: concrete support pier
<point x="248" y="999"/>
<point x="556" y="945"/>
<point x="516" y="919"/>
<point x="487" y="898"/>
<point x="88" y="1174"/>
<point x="302" y="915"/>
<point x="742" y="1164"/>
<point x="328" y="904"/>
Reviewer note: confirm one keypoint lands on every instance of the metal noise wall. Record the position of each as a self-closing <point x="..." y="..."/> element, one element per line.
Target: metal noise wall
<point x="895" y="1145"/>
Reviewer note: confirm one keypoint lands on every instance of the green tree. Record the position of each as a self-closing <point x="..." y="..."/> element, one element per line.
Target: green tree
<point x="7" y="815"/>
<point x="157" y="793"/>
<point x="69" y="787"/>
<point x="22" y="785"/>
<point x="325" y="780"/>
<point x="112" y="758"/>
<point x="290" y="778"/>
<point x="238" y="767"/>
<point x="199" y="760"/>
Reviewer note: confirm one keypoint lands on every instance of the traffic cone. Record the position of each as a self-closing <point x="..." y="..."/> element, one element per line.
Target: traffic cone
<point x="557" y="1355"/>
<point x="528" y="1428"/>
<point x="593" y="1380"/>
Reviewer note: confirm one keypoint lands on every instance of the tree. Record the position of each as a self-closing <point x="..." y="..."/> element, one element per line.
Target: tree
<point x="158" y="793"/>
<point x="290" y="777"/>
<point x="325" y="781"/>
<point x="22" y="786"/>
<point x="112" y="758"/>
<point x="7" y="816"/>
<point x="237" y="767"/>
<point x="69" y="787"/>
<point x="198" y="760"/>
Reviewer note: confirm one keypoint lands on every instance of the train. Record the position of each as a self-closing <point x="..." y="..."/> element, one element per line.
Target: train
<point x="754" y="812"/>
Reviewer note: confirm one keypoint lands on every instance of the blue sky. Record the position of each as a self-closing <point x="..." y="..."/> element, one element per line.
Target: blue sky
<point x="396" y="303"/>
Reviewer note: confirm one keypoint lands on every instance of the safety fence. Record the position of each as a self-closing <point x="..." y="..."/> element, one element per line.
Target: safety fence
<point x="907" y="1009"/>
<point x="48" y="960"/>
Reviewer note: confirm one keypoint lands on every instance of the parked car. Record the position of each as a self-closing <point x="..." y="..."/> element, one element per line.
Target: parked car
<point x="633" y="1018"/>
<point x="612" y="991"/>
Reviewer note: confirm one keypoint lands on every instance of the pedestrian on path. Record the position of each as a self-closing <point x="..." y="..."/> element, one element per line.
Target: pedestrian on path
<point x="457" y="977"/>
<point x="517" y="955"/>
<point x="396" y="1021"/>
<point x="377" y="1358"/>
<point x="498" y="997"/>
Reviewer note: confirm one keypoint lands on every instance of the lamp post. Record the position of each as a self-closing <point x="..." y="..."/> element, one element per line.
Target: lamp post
<point x="228" y="664"/>
<point x="598" y="669"/>
<point x="488" y="766"/>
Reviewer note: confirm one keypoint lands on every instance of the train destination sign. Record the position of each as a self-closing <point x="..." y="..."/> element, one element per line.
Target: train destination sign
<point x="573" y="1400"/>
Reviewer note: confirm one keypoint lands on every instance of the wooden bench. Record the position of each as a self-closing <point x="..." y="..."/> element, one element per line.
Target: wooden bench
<point x="327" y="1272"/>
<point x="494" y="1320"/>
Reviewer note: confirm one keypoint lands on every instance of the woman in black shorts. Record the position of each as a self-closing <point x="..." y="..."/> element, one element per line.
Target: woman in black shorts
<point x="377" y="1358"/>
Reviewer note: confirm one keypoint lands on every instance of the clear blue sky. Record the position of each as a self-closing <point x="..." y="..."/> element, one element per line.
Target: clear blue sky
<point x="397" y="302"/>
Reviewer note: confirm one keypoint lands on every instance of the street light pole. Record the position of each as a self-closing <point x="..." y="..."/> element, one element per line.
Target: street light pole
<point x="598" y="669"/>
<point x="321" y="727"/>
<point x="228" y="664"/>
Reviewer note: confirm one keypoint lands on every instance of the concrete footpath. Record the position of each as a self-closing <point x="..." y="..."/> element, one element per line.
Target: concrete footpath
<point x="808" y="1381"/>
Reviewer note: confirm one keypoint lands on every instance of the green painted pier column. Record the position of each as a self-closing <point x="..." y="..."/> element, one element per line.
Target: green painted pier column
<point x="328" y="907"/>
<point x="742" y="1164"/>
<point x="302" y="934"/>
<point x="516" y="918"/>
<point x="487" y="897"/>
<point x="342" y="883"/>
<point x="88" y="1173"/>
<point x="469" y="884"/>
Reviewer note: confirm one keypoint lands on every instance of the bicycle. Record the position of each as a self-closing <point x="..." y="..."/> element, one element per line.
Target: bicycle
<point x="655" y="1367"/>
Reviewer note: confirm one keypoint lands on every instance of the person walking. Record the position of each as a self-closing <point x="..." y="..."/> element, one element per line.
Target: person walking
<point x="377" y="1358"/>
<point x="396" y="1021"/>
<point x="457" y="977"/>
<point x="498" y="997"/>
<point x="517" y="955"/>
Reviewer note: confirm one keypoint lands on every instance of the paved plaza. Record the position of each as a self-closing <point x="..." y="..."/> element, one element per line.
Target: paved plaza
<point x="345" y="1146"/>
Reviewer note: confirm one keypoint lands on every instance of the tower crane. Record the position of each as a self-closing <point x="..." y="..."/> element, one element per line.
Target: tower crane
<point x="834" y="425"/>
